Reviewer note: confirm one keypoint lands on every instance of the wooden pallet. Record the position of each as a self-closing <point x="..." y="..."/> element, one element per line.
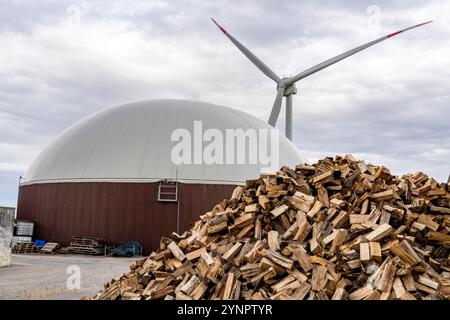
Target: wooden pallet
<point x="85" y="250"/>
<point x="63" y="250"/>
<point x="87" y="242"/>
<point x="24" y="247"/>
<point x="50" y="248"/>
<point x="86" y="245"/>
<point x="80" y="245"/>
<point x="23" y="251"/>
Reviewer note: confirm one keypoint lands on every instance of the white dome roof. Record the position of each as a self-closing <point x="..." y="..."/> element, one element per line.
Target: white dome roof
<point x="132" y="143"/>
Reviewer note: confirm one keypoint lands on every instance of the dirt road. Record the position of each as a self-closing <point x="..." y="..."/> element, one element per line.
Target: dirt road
<point x="56" y="277"/>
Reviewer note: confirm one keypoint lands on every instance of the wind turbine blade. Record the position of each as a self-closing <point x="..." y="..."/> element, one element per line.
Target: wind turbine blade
<point x="344" y="55"/>
<point x="276" y="107"/>
<point x="254" y="59"/>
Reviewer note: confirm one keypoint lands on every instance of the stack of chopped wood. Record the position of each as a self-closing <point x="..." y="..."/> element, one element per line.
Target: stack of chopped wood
<point x="339" y="229"/>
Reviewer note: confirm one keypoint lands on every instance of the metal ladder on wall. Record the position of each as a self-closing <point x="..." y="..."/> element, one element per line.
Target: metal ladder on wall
<point x="168" y="190"/>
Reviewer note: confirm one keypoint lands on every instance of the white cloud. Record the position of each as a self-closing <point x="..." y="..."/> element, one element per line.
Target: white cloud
<point x="389" y="104"/>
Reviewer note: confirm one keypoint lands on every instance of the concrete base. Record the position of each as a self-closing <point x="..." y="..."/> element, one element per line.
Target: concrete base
<point x="51" y="277"/>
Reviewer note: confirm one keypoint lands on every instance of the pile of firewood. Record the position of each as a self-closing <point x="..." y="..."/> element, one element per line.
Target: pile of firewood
<point x="338" y="229"/>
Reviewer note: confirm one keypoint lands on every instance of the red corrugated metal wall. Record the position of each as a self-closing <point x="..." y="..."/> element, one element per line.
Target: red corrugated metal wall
<point x="116" y="212"/>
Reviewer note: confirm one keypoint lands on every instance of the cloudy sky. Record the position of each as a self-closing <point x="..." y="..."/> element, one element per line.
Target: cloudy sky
<point x="63" y="60"/>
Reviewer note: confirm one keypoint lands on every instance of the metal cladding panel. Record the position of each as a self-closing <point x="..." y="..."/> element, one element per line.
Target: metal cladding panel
<point x="7" y="216"/>
<point x="116" y="212"/>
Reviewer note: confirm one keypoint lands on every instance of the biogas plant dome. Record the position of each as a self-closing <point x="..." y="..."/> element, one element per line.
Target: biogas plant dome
<point x="151" y="140"/>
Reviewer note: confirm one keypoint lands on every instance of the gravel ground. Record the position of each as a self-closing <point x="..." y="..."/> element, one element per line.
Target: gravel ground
<point x="53" y="277"/>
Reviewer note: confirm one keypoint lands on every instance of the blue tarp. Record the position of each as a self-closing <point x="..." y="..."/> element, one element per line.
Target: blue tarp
<point x="40" y="243"/>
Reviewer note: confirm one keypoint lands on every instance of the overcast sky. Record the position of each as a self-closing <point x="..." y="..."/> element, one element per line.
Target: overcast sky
<point x="63" y="60"/>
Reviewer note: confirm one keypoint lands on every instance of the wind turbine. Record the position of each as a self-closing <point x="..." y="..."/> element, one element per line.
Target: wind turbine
<point x="286" y="86"/>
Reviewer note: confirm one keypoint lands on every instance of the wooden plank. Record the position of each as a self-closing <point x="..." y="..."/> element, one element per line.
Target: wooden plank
<point x="228" y="286"/>
<point x="298" y="275"/>
<point x="240" y="257"/>
<point x="322" y="195"/>
<point x="337" y="202"/>
<point x="279" y="210"/>
<point x="404" y="252"/>
<point x="418" y="226"/>
<point x="358" y="218"/>
<point x="340" y="219"/>
<point x="364" y="252"/>
<point x="303" y="259"/>
<point x="408" y="282"/>
<point x="407" y="296"/>
<point x="324" y="177"/>
<point x="251" y="255"/>
<point x="360" y="293"/>
<point x="314" y="246"/>
<point x="424" y="288"/>
<point x="195" y="254"/>
<point x="374" y="295"/>
<point x="218" y="228"/>
<point x="328" y="239"/>
<point x="379" y="233"/>
<point x="245" y="231"/>
<point x="385" y="217"/>
<point x="339" y="239"/>
<point x="428" y="221"/>
<point x="283" y="283"/>
<point x="315" y="209"/>
<point x="398" y="287"/>
<point x="190" y="285"/>
<point x="199" y="291"/>
<point x="302" y="201"/>
<point x="437" y="236"/>
<point x="387" y="277"/>
<point x="437" y="209"/>
<point x="244" y="220"/>
<point x="176" y="251"/>
<point x="427" y="282"/>
<point x="237" y="193"/>
<point x="272" y="239"/>
<point x="207" y="258"/>
<point x="411" y="252"/>
<point x="227" y="256"/>
<point x="302" y="291"/>
<point x="375" y="251"/>
<point x="251" y="208"/>
<point x="364" y="207"/>
<point x="279" y="259"/>
<point x="339" y="294"/>
<point x="319" y="279"/>
<point x="383" y="196"/>
<point x="303" y="231"/>
<point x="264" y="202"/>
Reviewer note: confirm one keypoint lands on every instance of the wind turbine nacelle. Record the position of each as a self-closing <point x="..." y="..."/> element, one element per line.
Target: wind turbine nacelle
<point x="292" y="89"/>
